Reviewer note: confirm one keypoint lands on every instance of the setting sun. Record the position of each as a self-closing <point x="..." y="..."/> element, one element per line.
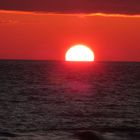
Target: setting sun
<point x="79" y="53"/>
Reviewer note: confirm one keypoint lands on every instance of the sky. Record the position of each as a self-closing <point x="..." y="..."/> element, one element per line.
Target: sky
<point x="42" y="29"/>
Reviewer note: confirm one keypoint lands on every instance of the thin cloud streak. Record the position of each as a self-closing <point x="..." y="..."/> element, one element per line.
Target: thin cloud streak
<point x="22" y="17"/>
<point x="67" y="14"/>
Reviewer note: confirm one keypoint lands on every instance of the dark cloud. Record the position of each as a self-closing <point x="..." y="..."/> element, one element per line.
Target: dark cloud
<point x="74" y="6"/>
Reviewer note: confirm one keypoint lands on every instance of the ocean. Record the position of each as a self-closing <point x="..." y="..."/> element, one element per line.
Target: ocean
<point x="56" y="100"/>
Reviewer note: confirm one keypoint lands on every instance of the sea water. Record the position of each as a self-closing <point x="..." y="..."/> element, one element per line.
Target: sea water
<point x="56" y="100"/>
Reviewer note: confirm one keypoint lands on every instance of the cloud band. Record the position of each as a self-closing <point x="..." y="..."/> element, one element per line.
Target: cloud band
<point x="74" y="6"/>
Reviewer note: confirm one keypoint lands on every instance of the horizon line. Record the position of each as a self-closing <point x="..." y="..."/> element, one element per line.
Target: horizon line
<point x="14" y="59"/>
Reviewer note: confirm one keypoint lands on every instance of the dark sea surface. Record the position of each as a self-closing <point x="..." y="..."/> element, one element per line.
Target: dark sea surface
<point x="54" y="100"/>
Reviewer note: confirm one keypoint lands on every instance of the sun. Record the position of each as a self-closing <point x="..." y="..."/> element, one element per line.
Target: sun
<point x="79" y="53"/>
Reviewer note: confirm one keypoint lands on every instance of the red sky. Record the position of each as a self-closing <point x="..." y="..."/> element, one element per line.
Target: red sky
<point x="26" y="35"/>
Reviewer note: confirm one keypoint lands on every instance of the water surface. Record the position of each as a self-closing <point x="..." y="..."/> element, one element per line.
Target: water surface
<point x="54" y="100"/>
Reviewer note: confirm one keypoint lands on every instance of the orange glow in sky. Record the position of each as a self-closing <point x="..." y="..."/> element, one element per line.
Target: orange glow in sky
<point x="28" y="35"/>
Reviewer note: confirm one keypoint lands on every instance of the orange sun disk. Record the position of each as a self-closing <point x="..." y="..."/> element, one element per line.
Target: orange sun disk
<point x="79" y="53"/>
